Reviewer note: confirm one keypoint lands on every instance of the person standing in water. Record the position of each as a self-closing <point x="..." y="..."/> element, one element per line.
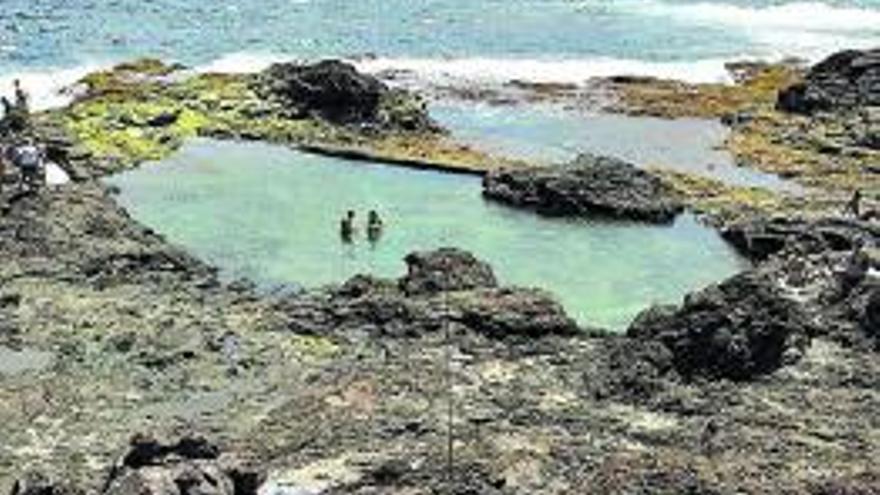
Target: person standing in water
<point x="346" y="227"/>
<point x="374" y="227"/>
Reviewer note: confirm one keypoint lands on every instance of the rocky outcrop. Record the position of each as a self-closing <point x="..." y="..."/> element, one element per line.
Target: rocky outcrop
<point x="332" y="89"/>
<point x="446" y="269"/>
<point x="760" y="238"/>
<point x="846" y="80"/>
<point x="335" y="91"/>
<point x="443" y="286"/>
<point x="739" y="329"/>
<point x="190" y="466"/>
<point x="37" y="484"/>
<point x="589" y="187"/>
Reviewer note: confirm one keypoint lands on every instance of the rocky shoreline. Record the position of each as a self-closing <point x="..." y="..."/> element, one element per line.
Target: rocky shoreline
<point x="764" y="383"/>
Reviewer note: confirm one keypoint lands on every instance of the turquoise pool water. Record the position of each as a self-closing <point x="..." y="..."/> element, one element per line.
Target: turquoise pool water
<point x="272" y="214"/>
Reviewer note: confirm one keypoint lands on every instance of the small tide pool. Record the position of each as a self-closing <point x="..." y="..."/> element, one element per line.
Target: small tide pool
<point x="272" y="214"/>
<point x="551" y="134"/>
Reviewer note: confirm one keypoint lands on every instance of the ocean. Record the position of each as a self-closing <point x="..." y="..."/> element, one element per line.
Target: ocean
<point x="50" y="43"/>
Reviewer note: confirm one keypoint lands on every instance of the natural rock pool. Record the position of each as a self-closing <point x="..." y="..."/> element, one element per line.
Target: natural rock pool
<point x="272" y="214"/>
<point x="550" y="133"/>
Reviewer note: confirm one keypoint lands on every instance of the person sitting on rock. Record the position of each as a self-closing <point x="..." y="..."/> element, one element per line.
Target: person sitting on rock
<point x="374" y="226"/>
<point x="346" y="227"/>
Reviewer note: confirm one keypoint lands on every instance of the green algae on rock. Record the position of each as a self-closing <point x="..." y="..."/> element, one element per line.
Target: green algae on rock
<point x="144" y="110"/>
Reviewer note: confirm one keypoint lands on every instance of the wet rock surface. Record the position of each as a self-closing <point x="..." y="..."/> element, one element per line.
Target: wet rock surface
<point x="588" y="187"/>
<point x="844" y="81"/>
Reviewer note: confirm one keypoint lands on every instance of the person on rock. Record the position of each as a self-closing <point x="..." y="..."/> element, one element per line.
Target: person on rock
<point x="346" y="227"/>
<point x="28" y="157"/>
<point x="374" y="227"/>
<point x="13" y="120"/>
<point x="855" y="204"/>
<point x="22" y="100"/>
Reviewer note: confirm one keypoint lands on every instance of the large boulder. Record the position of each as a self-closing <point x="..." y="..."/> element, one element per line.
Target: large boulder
<point x="335" y="91"/>
<point x="446" y="269"/>
<point x="590" y="187"/>
<point x="331" y="89"/>
<point x="846" y="80"/>
<point x="739" y="329"/>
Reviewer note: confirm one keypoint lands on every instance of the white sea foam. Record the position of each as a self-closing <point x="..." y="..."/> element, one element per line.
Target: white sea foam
<point x="574" y="71"/>
<point x="48" y="88"/>
<point x="811" y="30"/>
<point x="799" y="16"/>
<point x="243" y="62"/>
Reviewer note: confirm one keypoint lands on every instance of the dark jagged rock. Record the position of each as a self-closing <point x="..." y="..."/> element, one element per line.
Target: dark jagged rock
<point x="760" y="238"/>
<point x="37" y="484"/>
<point x="336" y="91"/>
<point x="846" y="80"/>
<point x="331" y="89"/>
<point x="190" y="466"/>
<point x="446" y="285"/>
<point x="871" y="316"/>
<point x="590" y="186"/>
<point x="146" y="451"/>
<point x="738" y="329"/>
<point x="446" y="269"/>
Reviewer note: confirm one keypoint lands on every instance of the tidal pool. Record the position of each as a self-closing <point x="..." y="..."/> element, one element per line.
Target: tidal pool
<point x="549" y="133"/>
<point x="272" y="214"/>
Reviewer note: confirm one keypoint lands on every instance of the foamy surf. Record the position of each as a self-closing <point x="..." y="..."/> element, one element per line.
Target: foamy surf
<point x="48" y="88"/>
<point x="454" y="71"/>
<point x="809" y="30"/>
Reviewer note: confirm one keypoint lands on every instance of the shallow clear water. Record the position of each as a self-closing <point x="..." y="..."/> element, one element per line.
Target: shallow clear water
<point x="272" y="214"/>
<point x="551" y="134"/>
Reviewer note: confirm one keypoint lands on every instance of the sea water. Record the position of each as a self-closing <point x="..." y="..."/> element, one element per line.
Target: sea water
<point x="50" y="43"/>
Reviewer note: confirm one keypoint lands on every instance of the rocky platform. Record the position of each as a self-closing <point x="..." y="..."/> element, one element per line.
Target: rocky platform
<point x="347" y="389"/>
<point x="440" y="381"/>
<point x="588" y="187"/>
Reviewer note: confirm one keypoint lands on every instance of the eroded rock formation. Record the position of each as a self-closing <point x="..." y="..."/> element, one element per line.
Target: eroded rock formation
<point x="588" y="187"/>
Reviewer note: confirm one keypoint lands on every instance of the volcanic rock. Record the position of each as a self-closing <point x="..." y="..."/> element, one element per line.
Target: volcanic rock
<point x="590" y="187"/>
<point x="446" y="269"/>
<point x="845" y="80"/>
<point x="739" y="329"/>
